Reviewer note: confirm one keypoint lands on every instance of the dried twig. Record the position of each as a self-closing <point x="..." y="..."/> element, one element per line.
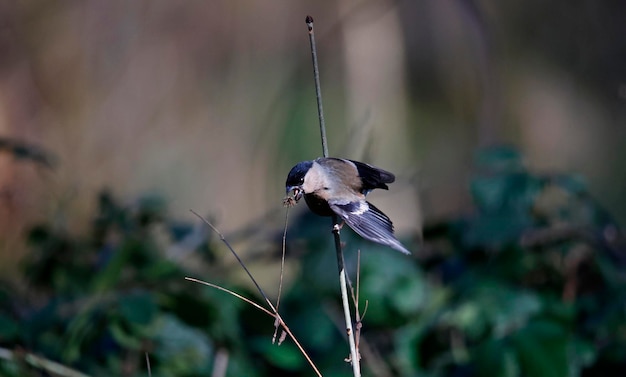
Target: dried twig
<point x="273" y="311"/>
<point x="41" y="363"/>
<point x="282" y="273"/>
<point x="148" y="365"/>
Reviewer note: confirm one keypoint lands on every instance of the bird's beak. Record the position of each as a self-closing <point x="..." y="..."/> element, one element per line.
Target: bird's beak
<point x="296" y="191"/>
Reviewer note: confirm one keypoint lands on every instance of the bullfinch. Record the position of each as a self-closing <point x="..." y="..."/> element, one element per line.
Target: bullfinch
<point x="338" y="186"/>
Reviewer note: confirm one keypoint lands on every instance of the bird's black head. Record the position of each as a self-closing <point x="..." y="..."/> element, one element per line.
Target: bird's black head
<point x="295" y="179"/>
<point x="297" y="173"/>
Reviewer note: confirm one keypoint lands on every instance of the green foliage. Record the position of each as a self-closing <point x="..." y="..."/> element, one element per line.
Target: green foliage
<point x="528" y="284"/>
<point x="99" y="302"/>
<point x="520" y="272"/>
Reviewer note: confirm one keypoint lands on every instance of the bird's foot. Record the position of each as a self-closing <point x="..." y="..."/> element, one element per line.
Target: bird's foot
<point x="337" y="227"/>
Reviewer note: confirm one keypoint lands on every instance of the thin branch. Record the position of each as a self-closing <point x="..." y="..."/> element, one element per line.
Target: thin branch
<point x="343" y="284"/>
<point x="282" y="260"/>
<point x="358" y="278"/>
<point x="267" y="300"/>
<point x="282" y="272"/>
<point x="318" y="90"/>
<point x="258" y="287"/>
<point x="376" y="363"/>
<point x="148" y="365"/>
<point x="354" y="356"/>
<point x="221" y="363"/>
<point x="232" y="293"/>
<point x="39" y="362"/>
<point x="357" y="315"/>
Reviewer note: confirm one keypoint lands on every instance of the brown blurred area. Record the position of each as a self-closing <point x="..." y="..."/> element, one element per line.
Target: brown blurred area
<point x="210" y="103"/>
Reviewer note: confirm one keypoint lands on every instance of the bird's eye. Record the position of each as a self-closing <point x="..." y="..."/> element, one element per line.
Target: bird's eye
<point x="302" y="180"/>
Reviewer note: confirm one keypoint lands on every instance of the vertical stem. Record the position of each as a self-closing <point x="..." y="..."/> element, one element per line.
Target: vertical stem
<point x="354" y="355"/>
<point x="318" y="90"/>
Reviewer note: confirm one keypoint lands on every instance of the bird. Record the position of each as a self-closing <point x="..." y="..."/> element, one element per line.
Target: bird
<point x="336" y="186"/>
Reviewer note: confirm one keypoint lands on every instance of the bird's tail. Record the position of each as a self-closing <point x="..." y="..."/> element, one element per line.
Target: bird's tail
<point x="375" y="226"/>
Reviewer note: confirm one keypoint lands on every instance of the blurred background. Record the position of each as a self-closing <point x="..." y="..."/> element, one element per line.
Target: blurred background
<point x="207" y="105"/>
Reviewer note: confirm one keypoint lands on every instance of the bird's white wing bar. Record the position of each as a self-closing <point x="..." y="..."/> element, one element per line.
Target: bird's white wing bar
<point x="368" y="222"/>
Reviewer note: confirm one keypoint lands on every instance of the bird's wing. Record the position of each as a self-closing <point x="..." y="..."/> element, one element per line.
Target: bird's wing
<point x="361" y="176"/>
<point x="368" y="222"/>
<point x="372" y="176"/>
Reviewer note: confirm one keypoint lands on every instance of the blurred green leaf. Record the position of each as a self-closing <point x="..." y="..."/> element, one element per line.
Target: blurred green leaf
<point x="121" y="333"/>
<point x="286" y="356"/>
<point x="581" y="354"/>
<point x="80" y="328"/>
<point x="495" y="358"/>
<point x="542" y="349"/>
<point x="138" y="307"/>
<point x="504" y="195"/>
<point x="316" y="329"/>
<point x="391" y="286"/>
<point x="10" y="369"/>
<point x="9" y="329"/>
<point x="502" y="308"/>
<point x="179" y="347"/>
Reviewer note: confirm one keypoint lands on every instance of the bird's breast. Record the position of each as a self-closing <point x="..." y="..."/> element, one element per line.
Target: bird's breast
<point x="318" y="205"/>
